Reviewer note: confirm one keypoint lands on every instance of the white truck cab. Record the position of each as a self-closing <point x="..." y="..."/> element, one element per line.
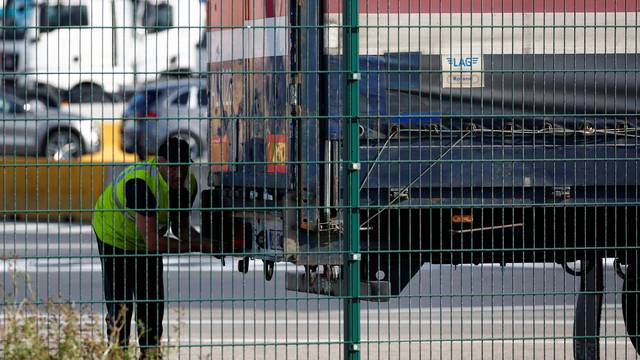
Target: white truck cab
<point x="86" y="48"/>
<point x="167" y="37"/>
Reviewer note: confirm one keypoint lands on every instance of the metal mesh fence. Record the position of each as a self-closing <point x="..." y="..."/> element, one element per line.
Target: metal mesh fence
<point x="319" y="179"/>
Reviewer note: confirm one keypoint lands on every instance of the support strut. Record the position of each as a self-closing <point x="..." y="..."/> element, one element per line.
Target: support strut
<point x="586" y="326"/>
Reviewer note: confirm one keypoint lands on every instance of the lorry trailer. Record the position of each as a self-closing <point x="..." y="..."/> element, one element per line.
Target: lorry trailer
<point x="490" y="132"/>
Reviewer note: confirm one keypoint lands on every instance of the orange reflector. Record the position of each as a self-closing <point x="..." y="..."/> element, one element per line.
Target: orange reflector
<point x="458" y="219"/>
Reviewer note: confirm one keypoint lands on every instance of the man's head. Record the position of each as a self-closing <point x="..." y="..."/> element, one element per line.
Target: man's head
<point x="174" y="158"/>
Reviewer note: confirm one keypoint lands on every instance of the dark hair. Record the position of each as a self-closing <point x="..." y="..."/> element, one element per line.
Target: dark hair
<point x="175" y="150"/>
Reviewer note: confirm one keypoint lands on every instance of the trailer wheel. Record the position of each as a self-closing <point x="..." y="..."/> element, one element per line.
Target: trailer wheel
<point x="46" y="95"/>
<point x="268" y="269"/>
<point x="630" y="306"/>
<point x="243" y="265"/>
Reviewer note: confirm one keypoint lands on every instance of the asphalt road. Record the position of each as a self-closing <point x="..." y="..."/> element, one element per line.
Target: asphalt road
<point x="519" y="311"/>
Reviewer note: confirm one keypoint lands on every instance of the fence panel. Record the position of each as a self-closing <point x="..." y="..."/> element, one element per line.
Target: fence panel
<point x="319" y="179"/>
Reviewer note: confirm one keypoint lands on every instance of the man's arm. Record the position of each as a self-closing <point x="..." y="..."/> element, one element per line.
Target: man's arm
<point x="198" y="243"/>
<point x="184" y="200"/>
<point x="147" y="225"/>
<point x="158" y="243"/>
<point x="139" y="198"/>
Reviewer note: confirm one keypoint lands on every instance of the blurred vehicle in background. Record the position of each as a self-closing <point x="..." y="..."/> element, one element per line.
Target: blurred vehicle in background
<point x="163" y="109"/>
<point x="29" y="128"/>
<point x="94" y="48"/>
<point x="167" y="36"/>
<point x="29" y="94"/>
<point x="203" y="55"/>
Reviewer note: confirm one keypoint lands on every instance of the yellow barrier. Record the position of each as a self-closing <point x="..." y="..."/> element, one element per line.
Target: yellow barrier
<point x="44" y="190"/>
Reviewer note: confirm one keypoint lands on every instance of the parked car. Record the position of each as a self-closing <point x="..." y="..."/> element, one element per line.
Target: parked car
<point x="33" y="129"/>
<point x="163" y="109"/>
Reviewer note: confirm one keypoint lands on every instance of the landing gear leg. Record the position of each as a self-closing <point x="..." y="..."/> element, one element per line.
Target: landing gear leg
<point x="268" y="269"/>
<point x="630" y="304"/>
<point x="243" y="265"/>
<point x="586" y="326"/>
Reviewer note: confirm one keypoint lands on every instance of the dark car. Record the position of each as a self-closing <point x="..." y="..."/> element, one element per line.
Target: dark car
<point x="162" y="109"/>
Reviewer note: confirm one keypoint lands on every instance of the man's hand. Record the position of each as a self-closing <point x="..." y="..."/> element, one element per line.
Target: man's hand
<point x="203" y="244"/>
<point x="191" y="241"/>
<point x="156" y="240"/>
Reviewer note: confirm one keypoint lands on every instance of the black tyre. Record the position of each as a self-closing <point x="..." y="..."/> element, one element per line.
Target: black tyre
<point x="269" y="266"/>
<point x="62" y="145"/>
<point x="243" y="265"/>
<point x="46" y="95"/>
<point x="88" y="93"/>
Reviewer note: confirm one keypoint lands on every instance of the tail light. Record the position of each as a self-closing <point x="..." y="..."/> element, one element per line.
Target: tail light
<point x="241" y="238"/>
<point x="236" y="236"/>
<point x="238" y="239"/>
<point x="150" y="114"/>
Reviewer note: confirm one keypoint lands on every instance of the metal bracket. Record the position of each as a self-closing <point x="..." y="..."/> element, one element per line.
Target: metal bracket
<point x="355" y="77"/>
<point x="293" y="94"/>
<point x="399" y="195"/>
<point x="353" y="166"/>
<point x="335" y="225"/>
<point x="560" y="192"/>
<point x="588" y="312"/>
<point x="377" y="291"/>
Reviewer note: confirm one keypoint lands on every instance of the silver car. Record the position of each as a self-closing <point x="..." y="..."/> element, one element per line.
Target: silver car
<point x="32" y="129"/>
<point x="162" y="109"/>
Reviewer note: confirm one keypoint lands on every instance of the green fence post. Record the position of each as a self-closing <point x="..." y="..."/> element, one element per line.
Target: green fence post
<point x="351" y="148"/>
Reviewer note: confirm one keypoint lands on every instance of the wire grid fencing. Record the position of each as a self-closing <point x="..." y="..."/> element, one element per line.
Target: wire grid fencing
<point x="366" y="179"/>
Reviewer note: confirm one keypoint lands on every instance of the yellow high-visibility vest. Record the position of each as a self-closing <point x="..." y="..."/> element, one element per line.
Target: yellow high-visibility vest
<point x="114" y="223"/>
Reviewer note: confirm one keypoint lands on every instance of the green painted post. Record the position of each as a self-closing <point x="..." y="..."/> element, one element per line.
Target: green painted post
<point x="351" y="148"/>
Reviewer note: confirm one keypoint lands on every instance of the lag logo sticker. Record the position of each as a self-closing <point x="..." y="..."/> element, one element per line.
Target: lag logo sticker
<point x="277" y="153"/>
<point x="462" y="71"/>
<point x="468" y="61"/>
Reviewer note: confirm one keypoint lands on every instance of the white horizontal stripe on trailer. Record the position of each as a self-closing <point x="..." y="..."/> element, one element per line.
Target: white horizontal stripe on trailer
<point x="490" y="33"/>
<point x="257" y="39"/>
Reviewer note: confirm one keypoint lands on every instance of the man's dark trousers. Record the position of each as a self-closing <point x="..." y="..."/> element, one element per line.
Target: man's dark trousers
<point x="129" y="275"/>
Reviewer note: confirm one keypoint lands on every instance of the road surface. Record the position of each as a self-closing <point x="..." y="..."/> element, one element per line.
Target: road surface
<point x="519" y="311"/>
